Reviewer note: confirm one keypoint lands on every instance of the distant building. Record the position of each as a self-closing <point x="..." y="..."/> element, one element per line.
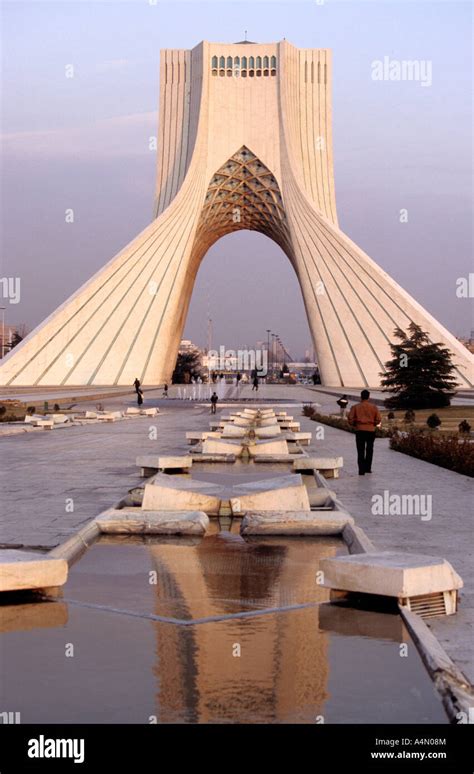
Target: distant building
<point x="468" y="343"/>
<point x="186" y="345"/>
<point x="9" y="331"/>
<point x="304" y="368"/>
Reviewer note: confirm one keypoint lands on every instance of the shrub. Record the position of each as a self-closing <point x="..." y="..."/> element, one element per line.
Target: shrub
<point x="31" y="410"/>
<point x="464" y="427"/>
<point x="56" y="407"/>
<point x="343" y="424"/>
<point x="433" y="421"/>
<point x="447" y="451"/>
<point x="391" y="416"/>
<point x="308" y="410"/>
<point x="409" y="417"/>
<point x="3" y="410"/>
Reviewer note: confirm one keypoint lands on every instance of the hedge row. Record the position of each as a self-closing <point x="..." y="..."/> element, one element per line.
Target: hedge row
<point x="447" y="451"/>
<point x="339" y="422"/>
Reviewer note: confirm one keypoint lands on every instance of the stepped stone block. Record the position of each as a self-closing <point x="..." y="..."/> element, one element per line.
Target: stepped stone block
<point x="168" y="493"/>
<point x="286" y="493"/>
<point x="221" y="446"/>
<point x="268" y="421"/>
<point x="233" y="431"/>
<point x="294" y="523"/>
<point x="22" y="570"/>
<point x="268" y="446"/>
<point x="328" y="466"/>
<point x="135" y="520"/>
<point x="390" y="573"/>
<point x="270" y="431"/>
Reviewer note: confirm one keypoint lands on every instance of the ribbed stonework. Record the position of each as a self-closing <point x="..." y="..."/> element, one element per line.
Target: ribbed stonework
<point x="244" y="143"/>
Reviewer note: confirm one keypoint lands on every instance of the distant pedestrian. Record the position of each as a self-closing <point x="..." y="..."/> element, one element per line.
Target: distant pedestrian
<point x="342" y="403"/>
<point x="255" y="384"/>
<point x="139" y="396"/>
<point x="165" y="391"/>
<point x="364" y="417"/>
<point x="214" y="399"/>
<point x="136" y="384"/>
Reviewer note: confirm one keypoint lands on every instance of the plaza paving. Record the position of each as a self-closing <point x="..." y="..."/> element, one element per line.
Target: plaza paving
<point x="95" y="466"/>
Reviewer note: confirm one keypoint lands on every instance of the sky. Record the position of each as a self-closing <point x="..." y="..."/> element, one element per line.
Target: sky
<point x="82" y="143"/>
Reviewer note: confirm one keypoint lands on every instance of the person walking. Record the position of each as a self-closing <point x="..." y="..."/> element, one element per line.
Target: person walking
<point x="214" y="399"/>
<point x="165" y="391"/>
<point x="139" y="396"/>
<point x="364" y="417"/>
<point x="342" y="403"/>
<point x="136" y="384"/>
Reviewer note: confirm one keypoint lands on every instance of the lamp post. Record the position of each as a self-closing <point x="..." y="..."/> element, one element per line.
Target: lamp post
<point x="2" y="308"/>
<point x="268" y="349"/>
<point x="281" y="353"/>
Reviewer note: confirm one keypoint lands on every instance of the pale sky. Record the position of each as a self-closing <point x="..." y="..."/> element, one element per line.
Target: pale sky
<point x="83" y="143"/>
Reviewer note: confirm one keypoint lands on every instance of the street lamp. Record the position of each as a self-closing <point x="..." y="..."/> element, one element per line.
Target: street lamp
<point x="281" y="355"/>
<point x="2" y="308"/>
<point x="268" y="349"/>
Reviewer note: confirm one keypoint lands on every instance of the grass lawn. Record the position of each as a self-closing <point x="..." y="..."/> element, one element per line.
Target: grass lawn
<point x="450" y="417"/>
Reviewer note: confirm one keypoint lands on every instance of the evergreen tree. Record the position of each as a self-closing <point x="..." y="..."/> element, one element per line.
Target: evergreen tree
<point x="16" y="338"/>
<point x="187" y="363"/>
<point x="420" y="373"/>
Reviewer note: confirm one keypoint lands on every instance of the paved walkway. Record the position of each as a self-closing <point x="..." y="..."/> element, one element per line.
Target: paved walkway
<point x="449" y="533"/>
<point x="95" y="466"/>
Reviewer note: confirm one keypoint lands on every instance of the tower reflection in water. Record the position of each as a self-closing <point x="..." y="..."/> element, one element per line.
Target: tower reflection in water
<point x="270" y="667"/>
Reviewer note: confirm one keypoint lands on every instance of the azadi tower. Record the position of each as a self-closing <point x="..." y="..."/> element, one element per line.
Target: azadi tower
<point x="244" y="143"/>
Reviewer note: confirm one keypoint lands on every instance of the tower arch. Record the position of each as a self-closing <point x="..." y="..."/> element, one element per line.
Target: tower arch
<point x="233" y="153"/>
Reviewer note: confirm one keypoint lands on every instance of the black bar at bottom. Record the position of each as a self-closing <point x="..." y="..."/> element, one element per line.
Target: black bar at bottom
<point x="136" y="748"/>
